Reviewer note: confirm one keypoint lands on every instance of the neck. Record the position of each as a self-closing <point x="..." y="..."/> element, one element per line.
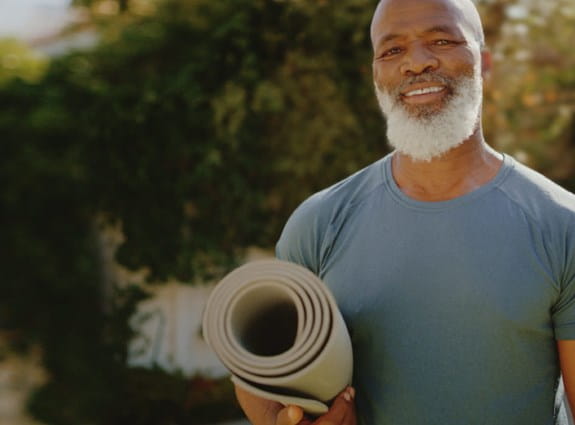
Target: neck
<point x="457" y="172"/>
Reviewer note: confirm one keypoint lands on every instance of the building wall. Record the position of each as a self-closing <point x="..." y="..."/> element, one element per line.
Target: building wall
<point x="169" y="326"/>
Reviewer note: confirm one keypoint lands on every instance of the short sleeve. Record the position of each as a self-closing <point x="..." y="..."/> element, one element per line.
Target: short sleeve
<point x="564" y="311"/>
<point x="301" y="239"/>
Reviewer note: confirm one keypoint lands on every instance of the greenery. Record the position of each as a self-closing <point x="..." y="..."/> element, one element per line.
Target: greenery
<point x="199" y="125"/>
<point x="19" y="62"/>
<point x="530" y="104"/>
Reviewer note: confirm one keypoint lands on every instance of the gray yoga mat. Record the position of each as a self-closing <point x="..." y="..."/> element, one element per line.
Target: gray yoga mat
<point x="277" y="328"/>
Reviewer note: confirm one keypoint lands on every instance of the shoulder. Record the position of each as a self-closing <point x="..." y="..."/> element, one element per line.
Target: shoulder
<point x="331" y="202"/>
<point x="537" y="195"/>
<point x="305" y="232"/>
<point x="550" y="210"/>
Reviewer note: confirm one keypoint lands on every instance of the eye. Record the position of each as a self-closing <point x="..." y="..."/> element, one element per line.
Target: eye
<point x="446" y="42"/>
<point x="390" y="52"/>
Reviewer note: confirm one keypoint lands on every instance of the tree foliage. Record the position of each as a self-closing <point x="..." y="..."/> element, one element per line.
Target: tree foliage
<point x="199" y="129"/>
<point x="18" y="61"/>
<point x="531" y="99"/>
<point x="229" y="115"/>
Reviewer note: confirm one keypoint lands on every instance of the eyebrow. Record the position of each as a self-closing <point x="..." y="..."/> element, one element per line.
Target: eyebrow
<point x="440" y="28"/>
<point x="435" y="29"/>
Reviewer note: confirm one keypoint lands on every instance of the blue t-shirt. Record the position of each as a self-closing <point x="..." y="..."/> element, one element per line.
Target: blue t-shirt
<point x="454" y="307"/>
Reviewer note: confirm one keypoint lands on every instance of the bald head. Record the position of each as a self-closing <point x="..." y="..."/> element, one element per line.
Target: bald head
<point x="464" y="11"/>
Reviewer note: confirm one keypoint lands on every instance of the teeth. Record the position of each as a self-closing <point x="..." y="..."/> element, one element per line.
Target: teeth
<point x="424" y="91"/>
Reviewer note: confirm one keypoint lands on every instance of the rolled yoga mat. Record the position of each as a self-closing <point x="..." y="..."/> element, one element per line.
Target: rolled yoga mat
<point x="278" y="329"/>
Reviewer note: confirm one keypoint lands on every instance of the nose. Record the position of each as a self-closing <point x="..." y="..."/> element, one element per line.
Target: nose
<point x="418" y="60"/>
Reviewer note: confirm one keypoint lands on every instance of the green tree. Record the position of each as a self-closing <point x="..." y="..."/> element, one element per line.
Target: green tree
<point x="199" y="129"/>
<point x="17" y="60"/>
<point x="531" y="98"/>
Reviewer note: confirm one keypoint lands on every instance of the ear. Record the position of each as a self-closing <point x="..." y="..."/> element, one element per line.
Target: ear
<point x="486" y="63"/>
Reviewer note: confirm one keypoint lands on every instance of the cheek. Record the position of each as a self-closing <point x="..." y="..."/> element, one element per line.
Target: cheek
<point x="376" y="73"/>
<point x="383" y="77"/>
<point x="462" y="63"/>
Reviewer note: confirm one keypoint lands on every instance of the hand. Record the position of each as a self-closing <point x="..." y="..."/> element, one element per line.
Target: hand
<point x="265" y="412"/>
<point x="341" y="412"/>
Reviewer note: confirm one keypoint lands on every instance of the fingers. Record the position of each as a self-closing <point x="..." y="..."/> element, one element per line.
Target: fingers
<point x="290" y="415"/>
<point x="342" y="411"/>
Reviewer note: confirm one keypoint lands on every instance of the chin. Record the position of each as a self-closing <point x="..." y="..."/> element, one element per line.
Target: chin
<point x="424" y="112"/>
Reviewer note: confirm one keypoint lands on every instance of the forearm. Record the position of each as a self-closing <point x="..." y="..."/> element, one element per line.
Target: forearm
<point x="566" y="350"/>
<point x="570" y="393"/>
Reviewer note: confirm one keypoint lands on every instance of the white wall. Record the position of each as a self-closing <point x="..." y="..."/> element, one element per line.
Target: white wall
<point x="169" y="327"/>
<point x="170" y="337"/>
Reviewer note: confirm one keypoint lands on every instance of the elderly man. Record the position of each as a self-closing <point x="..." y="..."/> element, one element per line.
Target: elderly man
<point x="453" y="265"/>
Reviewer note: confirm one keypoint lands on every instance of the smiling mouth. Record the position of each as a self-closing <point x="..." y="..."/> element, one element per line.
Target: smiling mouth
<point x="424" y="91"/>
<point x="425" y="97"/>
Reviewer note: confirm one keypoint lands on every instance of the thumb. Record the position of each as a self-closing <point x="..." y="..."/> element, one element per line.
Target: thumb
<point x="289" y="415"/>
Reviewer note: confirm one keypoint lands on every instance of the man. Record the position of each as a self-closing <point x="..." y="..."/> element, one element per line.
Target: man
<point x="453" y="265"/>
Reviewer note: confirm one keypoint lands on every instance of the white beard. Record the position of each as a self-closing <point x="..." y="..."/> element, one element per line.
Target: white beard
<point x="428" y="134"/>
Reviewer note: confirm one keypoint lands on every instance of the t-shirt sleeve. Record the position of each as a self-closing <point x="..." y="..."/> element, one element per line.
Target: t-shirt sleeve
<point x="564" y="311"/>
<point x="301" y="239"/>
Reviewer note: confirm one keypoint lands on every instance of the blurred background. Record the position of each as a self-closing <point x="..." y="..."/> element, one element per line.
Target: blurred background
<point x="149" y="146"/>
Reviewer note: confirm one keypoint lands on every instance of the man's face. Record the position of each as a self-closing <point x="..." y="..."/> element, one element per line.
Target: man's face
<point x="415" y="41"/>
<point x="427" y="73"/>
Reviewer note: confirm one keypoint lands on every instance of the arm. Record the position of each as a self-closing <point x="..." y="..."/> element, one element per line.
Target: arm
<point x="566" y="349"/>
<point x="265" y="412"/>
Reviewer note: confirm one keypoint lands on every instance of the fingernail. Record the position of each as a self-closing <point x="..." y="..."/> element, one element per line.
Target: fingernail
<point x="347" y="396"/>
<point x="351" y="392"/>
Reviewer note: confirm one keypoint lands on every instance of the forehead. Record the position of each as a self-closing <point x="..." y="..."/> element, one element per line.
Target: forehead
<point x="402" y="17"/>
